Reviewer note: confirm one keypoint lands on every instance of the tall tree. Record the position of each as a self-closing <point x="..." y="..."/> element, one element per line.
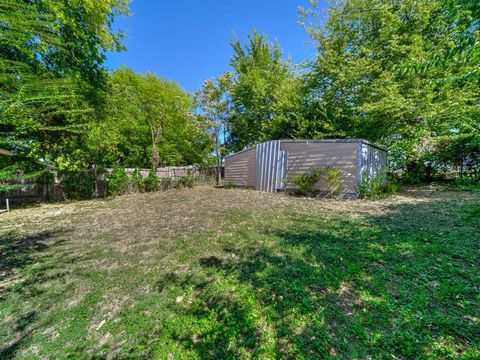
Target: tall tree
<point x="265" y="93"/>
<point x="360" y="81"/>
<point x="214" y="101"/>
<point x="148" y="120"/>
<point x="51" y="74"/>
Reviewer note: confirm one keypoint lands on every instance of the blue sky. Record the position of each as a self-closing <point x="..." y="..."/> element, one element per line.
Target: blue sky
<point x="189" y="41"/>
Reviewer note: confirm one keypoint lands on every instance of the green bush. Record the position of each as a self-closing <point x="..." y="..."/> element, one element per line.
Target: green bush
<point x="137" y="180"/>
<point x="333" y="180"/>
<point x="378" y="187"/>
<point x="307" y="184"/>
<point x="230" y="184"/>
<point x="471" y="179"/>
<point x="117" y="182"/>
<point x="189" y="181"/>
<point x="166" y="183"/>
<point x="78" y="185"/>
<point x="185" y="181"/>
<point x="152" y="183"/>
<point x="466" y="183"/>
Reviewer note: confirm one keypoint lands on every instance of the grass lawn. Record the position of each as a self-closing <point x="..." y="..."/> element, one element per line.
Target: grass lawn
<point x="212" y="273"/>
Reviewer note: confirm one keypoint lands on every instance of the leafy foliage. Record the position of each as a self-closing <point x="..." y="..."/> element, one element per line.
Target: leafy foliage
<point x="166" y="183"/>
<point x="460" y="152"/>
<point x="185" y="182"/>
<point x="12" y="177"/>
<point x="230" y="184"/>
<point x="137" y="180"/>
<point x="117" y="181"/>
<point x="360" y="82"/>
<point x="51" y="74"/>
<point x="265" y="94"/>
<point x="151" y="182"/>
<point x="308" y="183"/>
<point x="79" y="185"/>
<point x="377" y="187"/>
<point x="214" y="99"/>
<point x="148" y="122"/>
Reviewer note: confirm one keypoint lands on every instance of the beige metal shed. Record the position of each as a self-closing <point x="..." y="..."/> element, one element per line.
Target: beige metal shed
<point x="267" y="166"/>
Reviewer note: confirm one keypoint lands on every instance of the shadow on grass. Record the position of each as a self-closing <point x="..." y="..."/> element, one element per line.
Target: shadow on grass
<point x="17" y="254"/>
<point x="401" y="283"/>
<point x="18" y="251"/>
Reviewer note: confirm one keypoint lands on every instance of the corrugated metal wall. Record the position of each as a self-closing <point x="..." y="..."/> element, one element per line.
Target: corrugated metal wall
<point x="240" y="168"/>
<point x="373" y="161"/>
<point x="271" y="166"/>
<point x="304" y="155"/>
<point x="266" y="166"/>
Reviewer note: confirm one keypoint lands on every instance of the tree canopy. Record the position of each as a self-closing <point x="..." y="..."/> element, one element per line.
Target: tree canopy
<point x="404" y="74"/>
<point x="60" y="106"/>
<point x="52" y="75"/>
<point x="265" y="93"/>
<point x="148" y="122"/>
<point x="399" y="73"/>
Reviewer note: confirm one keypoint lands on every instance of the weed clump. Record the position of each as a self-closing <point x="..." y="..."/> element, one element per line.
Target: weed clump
<point x="308" y="184"/>
<point x="117" y="182"/>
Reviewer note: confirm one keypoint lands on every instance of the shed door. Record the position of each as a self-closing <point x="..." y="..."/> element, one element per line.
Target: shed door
<point x="271" y="166"/>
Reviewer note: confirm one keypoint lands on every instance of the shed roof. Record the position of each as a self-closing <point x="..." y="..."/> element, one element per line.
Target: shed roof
<point x="360" y="141"/>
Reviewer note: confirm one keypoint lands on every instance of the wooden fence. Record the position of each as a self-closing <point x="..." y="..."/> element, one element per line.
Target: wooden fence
<point x="32" y="189"/>
<point x="52" y="188"/>
<point x="172" y="172"/>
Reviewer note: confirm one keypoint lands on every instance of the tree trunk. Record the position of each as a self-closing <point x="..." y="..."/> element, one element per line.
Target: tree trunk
<point x="155" y="156"/>
<point x="217" y="171"/>
<point x="95" y="184"/>
<point x="156" y="134"/>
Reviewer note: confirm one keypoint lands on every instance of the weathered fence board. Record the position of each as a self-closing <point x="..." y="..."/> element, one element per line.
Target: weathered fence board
<point x="38" y="189"/>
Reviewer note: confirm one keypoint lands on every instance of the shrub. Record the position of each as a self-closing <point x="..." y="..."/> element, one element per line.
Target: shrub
<point x="466" y="183"/>
<point x="333" y="180"/>
<point x="78" y="185"/>
<point x="471" y="179"/>
<point x="137" y="180"/>
<point x="166" y="183"/>
<point x="378" y="187"/>
<point x="230" y="184"/>
<point x="185" y="181"/>
<point x="190" y="181"/>
<point x="152" y="183"/>
<point x="306" y="184"/>
<point x="117" y="181"/>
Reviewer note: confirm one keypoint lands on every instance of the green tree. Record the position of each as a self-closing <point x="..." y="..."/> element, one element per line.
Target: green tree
<point x="51" y="75"/>
<point x="266" y="94"/>
<point x="148" y="121"/>
<point x="362" y="83"/>
<point x="214" y="101"/>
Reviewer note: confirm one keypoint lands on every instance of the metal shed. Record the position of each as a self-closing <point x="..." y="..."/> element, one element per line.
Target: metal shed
<point x="266" y="166"/>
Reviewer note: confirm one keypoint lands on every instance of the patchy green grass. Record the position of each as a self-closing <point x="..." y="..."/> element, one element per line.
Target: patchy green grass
<point x="211" y="273"/>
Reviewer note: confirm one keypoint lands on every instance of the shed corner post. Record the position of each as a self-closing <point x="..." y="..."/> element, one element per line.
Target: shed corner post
<point x="257" y="166"/>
